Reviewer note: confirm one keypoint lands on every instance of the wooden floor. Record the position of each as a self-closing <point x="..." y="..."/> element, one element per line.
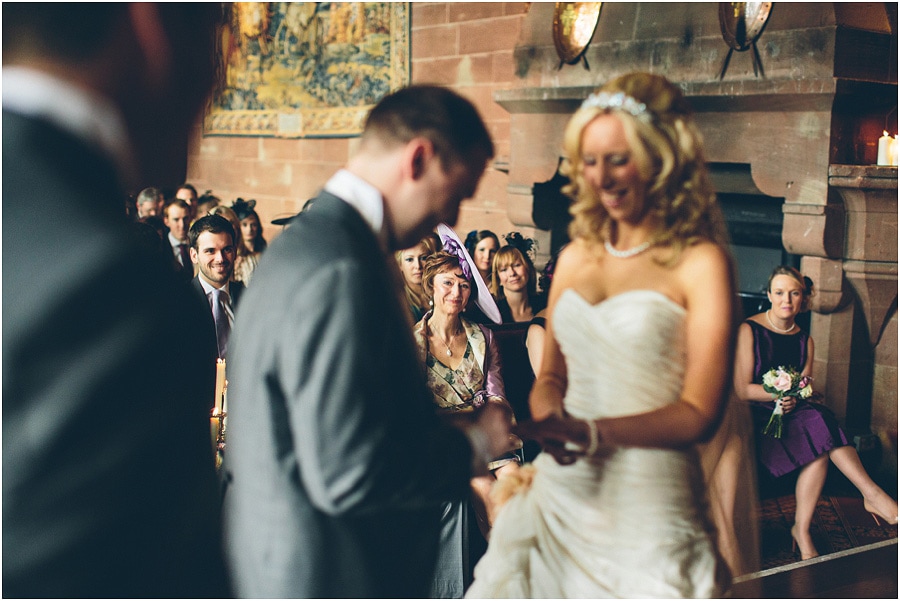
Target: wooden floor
<point x="868" y="572"/>
<point x="858" y="561"/>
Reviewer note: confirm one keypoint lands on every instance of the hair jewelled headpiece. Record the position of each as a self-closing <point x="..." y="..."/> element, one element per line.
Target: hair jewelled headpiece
<point x="618" y="101"/>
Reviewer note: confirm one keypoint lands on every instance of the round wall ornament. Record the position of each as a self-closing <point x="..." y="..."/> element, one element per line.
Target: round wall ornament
<point x="574" y="24"/>
<point x="743" y="22"/>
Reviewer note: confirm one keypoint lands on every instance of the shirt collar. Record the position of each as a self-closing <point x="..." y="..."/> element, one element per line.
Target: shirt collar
<point x="362" y="196"/>
<point x="208" y="288"/>
<point x="175" y="242"/>
<point x="82" y="112"/>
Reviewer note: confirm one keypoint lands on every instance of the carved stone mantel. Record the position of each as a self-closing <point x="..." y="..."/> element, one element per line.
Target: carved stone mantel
<point x="854" y="320"/>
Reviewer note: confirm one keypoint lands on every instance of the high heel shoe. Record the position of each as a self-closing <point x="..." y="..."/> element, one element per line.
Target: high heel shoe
<point x="876" y="514"/>
<point x="795" y="544"/>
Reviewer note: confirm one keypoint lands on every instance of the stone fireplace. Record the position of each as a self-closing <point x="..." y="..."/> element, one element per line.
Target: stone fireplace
<point x="796" y="148"/>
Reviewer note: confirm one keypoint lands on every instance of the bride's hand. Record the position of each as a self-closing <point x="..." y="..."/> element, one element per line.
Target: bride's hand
<point x="564" y="438"/>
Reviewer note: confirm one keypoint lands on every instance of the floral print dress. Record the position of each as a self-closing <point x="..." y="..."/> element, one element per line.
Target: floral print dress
<point x="476" y="380"/>
<point x="464" y="388"/>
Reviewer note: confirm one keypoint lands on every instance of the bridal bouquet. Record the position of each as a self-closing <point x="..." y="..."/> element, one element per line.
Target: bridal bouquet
<point x="783" y="382"/>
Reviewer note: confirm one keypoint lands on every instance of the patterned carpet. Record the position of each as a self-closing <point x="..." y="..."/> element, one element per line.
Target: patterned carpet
<point x="840" y="523"/>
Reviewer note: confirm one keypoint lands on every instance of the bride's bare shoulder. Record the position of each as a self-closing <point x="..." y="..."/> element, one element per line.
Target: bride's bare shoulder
<point x="705" y="259"/>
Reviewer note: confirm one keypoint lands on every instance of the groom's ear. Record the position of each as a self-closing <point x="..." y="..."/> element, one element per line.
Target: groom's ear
<point x="416" y="157"/>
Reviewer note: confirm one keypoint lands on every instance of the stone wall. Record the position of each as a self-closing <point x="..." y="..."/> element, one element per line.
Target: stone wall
<point x="465" y="46"/>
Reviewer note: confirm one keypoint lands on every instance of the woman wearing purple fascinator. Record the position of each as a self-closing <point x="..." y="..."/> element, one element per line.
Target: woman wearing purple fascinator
<point x="483" y="308"/>
<point x="462" y="368"/>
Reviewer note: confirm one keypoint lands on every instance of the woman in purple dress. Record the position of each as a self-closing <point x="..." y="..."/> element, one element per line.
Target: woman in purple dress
<point x="811" y="434"/>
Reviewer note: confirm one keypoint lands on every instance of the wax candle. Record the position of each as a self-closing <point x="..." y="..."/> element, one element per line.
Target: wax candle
<point x="220" y="384"/>
<point x="884" y="149"/>
<point x="894" y="149"/>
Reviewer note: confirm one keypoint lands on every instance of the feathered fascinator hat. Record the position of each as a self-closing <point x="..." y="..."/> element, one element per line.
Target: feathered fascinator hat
<point x="484" y="300"/>
<point x="243" y="208"/>
<point x="525" y="245"/>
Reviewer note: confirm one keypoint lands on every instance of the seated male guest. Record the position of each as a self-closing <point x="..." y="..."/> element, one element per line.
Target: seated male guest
<point x="177" y="217"/>
<point x="213" y="252"/>
<point x="149" y="202"/>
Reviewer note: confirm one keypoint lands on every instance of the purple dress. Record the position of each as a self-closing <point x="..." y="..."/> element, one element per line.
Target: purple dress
<point x="811" y="429"/>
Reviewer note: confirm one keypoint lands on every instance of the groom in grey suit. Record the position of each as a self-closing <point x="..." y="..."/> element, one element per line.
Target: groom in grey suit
<point x="337" y="461"/>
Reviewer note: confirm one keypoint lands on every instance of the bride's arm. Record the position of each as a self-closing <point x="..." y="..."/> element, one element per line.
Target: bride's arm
<point x="546" y="397"/>
<point x="705" y="280"/>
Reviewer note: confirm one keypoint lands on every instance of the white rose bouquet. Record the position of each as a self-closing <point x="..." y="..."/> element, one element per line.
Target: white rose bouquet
<point x="783" y="382"/>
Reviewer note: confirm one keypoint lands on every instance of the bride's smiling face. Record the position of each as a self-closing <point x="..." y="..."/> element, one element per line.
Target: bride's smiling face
<point x="609" y="167"/>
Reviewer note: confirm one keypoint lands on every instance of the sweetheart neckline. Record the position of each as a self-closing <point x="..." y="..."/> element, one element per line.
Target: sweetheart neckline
<point x="655" y="293"/>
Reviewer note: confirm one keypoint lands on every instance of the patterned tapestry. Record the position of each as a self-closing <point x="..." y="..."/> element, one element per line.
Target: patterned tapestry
<point x="308" y="69"/>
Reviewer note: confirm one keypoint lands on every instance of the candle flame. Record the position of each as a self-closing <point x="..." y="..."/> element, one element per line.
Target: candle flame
<point x="885" y="133"/>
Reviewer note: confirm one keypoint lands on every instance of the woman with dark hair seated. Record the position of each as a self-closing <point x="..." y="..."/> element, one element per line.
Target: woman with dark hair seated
<point x="482" y="246"/>
<point x="462" y="365"/>
<point x="252" y="243"/>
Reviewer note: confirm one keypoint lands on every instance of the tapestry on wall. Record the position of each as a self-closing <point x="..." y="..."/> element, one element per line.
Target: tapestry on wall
<point x="308" y="69"/>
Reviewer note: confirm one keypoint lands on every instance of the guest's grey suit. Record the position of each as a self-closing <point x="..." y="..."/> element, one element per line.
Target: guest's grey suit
<point x="109" y="487"/>
<point x="338" y="461"/>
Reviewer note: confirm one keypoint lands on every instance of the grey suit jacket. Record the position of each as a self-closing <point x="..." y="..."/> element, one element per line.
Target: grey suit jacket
<point x="109" y="485"/>
<point x="337" y="460"/>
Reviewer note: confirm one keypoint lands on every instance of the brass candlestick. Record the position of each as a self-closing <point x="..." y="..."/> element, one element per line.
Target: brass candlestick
<point x="217" y="435"/>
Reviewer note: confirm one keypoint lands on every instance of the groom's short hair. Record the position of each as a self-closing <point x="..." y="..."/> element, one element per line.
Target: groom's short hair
<point x="448" y="120"/>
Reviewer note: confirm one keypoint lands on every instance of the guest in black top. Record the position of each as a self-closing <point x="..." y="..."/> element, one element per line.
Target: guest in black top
<point x="516" y="285"/>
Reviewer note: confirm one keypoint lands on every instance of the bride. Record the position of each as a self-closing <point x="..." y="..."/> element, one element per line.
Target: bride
<point x="640" y="335"/>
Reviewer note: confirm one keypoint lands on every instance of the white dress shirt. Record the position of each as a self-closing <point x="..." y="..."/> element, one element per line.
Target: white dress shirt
<point x="208" y="290"/>
<point x="362" y="196"/>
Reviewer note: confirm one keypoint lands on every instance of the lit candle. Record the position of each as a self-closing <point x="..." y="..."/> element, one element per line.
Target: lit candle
<point x="884" y="149"/>
<point x="220" y="385"/>
<point x="894" y="149"/>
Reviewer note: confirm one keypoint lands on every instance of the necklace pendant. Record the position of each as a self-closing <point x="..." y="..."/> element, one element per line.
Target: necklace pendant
<point x="449" y="353"/>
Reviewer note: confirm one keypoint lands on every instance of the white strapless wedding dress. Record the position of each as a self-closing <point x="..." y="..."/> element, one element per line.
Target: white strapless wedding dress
<point x="632" y="523"/>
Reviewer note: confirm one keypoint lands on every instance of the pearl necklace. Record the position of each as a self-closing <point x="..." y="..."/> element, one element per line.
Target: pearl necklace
<point x="776" y="327"/>
<point x="624" y="254"/>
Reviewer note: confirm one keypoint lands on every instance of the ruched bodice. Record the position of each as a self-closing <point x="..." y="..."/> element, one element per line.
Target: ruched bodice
<point x="624" y="355"/>
<point x="631" y="522"/>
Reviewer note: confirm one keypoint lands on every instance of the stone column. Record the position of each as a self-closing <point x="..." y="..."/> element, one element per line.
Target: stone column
<point x="854" y="321"/>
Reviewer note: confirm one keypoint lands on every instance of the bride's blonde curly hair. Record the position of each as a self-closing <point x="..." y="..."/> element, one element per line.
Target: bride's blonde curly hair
<point x="668" y="151"/>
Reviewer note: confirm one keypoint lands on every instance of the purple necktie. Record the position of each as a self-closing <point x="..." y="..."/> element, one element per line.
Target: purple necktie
<point x="223" y="328"/>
